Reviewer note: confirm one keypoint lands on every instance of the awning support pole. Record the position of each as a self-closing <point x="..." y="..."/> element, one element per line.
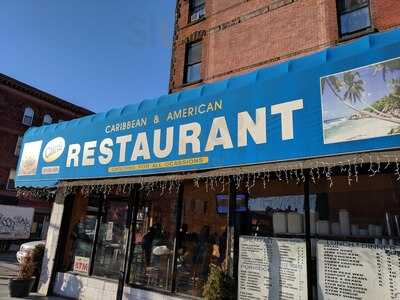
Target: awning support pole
<point x="179" y="206"/>
<point x="307" y="231"/>
<point x="232" y="238"/>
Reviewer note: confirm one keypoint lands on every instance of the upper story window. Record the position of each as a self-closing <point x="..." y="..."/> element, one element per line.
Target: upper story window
<point x="193" y="62"/>
<point x="354" y="16"/>
<point x="28" y="116"/>
<point x="196" y="10"/>
<point x="11" y="180"/>
<point x="18" y="146"/>
<point x="47" y="119"/>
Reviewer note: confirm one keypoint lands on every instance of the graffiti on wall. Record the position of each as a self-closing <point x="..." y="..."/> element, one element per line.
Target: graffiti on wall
<point x="15" y="222"/>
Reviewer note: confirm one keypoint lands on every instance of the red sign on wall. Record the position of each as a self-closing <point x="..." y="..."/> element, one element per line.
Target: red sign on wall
<point x="81" y="264"/>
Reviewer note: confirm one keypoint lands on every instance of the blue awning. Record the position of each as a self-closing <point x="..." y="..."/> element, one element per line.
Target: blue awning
<point x="288" y="111"/>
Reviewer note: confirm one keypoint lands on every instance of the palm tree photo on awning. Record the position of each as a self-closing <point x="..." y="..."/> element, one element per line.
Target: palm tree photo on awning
<point x="362" y="103"/>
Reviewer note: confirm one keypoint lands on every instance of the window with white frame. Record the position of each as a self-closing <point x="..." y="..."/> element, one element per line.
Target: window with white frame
<point x="28" y="116"/>
<point x="47" y="119"/>
<point x="11" y="180"/>
<point x="18" y="146"/>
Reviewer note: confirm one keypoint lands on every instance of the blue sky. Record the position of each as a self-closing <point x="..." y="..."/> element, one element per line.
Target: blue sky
<point x="374" y="89"/>
<point x="99" y="54"/>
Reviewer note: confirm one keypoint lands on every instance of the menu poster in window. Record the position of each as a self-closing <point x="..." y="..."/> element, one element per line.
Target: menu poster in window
<point x="348" y="270"/>
<point x="272" y="268"/>
<point x="81" y="264"/>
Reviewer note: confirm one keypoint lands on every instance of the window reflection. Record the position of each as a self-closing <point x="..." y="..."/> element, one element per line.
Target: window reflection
<point x="354" y="16"/>
<point x="196" y="10"/>
<point x="355" y="20"/>
<point x="81" y="232"/>
<point x="154" y="241"/>
<point x="277" y="210"/>
<point x="110" y="250"/>
<point x="202" y="239"/>
<point x="193" y="62"/>
<point x="82" y="242"/>
<point x="358" y="211"/>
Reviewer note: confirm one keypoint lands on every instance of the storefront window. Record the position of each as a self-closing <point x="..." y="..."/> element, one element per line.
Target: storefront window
<point x="111" y="241"/>
<point x="202" y="239"/>
<point x="276" y="209"/>
<point x="152" y="260"/>
<point x="362" y="211"/>
<point x="354" y="221"/>
<point x="82" y="233"/>
<point x="97" y="228"/>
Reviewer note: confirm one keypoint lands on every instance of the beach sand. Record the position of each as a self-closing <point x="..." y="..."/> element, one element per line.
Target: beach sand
<point x="350" y="130"/>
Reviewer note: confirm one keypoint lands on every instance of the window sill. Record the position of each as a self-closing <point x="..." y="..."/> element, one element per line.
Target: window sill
<point x="356" y="34"/>
<point x="194" y="22"/>
<point x="184" y="85"/>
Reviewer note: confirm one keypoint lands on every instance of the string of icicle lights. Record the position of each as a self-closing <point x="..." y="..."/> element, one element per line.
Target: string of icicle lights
<point x="220" y="183"/>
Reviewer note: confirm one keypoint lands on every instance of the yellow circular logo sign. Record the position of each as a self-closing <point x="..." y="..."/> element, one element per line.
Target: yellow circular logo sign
<point x="53" y="149"/>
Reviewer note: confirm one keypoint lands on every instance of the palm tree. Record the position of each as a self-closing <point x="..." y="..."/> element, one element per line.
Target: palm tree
<point x="386" y="67"/>
<point x="355" y="90"/>
<point x="395" y="87"/>
<point x="352" y="85"/>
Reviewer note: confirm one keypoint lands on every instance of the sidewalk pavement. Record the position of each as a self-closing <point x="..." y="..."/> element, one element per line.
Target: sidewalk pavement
<point x="8" y="269"/>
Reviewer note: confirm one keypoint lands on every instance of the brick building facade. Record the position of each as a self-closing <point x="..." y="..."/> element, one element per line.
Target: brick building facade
<point x="22" y="106"/>
<point x="237" y="36"/>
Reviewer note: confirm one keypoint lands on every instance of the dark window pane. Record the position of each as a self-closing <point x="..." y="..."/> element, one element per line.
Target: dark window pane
<point x="82" y="236"/>
<point x="202" y="239"/>
<point x="110" y="249"/>
<point x="154" y="241"/>
<point x="11" y="184"/>
<point x="196" y="3"/>
<point x="355" y="20"/>
<point x="193" y="62"/>
<point x="194" y="53"/>
<point x="197" y="10"/>
<point x="193" y="73"/>
<point x="270" y="208"/>
<point x="342" y="211"/>
<point x="348" y="5"/>
<point x="81" y="233"/>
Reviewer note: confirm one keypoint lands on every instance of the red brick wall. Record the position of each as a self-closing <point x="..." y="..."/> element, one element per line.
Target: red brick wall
<point x="385" y="13"/>
<point x="240" y="35"/>
<point x="12" y="107"/>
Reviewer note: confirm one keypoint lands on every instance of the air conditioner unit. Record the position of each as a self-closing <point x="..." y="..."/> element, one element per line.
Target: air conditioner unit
<point x="27" y="120"/>
<point x="195" y="16"/>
